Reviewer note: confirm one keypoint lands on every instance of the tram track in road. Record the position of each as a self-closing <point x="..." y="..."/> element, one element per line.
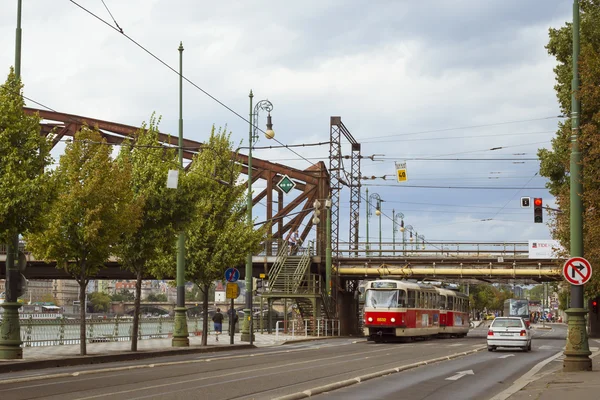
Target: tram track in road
<point x="318" y="365"/>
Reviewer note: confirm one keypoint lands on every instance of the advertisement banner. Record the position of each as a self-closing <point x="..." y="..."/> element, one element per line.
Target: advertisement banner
<point x="544" y="249"/>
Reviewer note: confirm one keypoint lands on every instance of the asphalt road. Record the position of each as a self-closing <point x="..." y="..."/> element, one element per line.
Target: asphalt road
<point x="267" y="373"/>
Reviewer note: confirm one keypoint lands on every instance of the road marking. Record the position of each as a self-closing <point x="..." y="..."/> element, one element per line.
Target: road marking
<point x="545" y="347"/>
<point x="460" y="375"/>
<point x="506" y="356"/>
<point x="525" y="379"/>
<point x="456" y="344"/>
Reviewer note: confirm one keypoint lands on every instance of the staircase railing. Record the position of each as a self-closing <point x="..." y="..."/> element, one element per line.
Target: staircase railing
<point x="299" y="275"/>
<point x="280" y="260"/>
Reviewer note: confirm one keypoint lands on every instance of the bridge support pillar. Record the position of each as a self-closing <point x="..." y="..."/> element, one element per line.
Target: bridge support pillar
<point x="348" y="312"/>
<point x="10" y="333"/>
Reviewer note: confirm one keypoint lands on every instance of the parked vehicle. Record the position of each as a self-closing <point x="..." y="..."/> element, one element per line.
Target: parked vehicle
<point x="509" y="332"/>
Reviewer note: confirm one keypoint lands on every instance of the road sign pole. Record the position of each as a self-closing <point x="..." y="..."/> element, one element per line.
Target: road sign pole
<point x="232" y="322"/>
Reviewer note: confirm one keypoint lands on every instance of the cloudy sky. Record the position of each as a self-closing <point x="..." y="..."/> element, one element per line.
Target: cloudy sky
<point x="435" y="83"/>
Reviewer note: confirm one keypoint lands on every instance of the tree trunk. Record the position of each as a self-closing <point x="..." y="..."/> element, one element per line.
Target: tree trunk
<point x="204" y="290"/>
<point x="82" y="304"/>
<point x="136" y="310"/>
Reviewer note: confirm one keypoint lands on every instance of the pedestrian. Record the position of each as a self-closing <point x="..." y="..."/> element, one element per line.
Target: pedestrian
<point x="292" y="242"/>
<point x="218" y="320"/>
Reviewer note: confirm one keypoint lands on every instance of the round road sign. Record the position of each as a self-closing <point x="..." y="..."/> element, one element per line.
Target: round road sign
<point x="232" y="275"/>
<point x="577" y="270"/>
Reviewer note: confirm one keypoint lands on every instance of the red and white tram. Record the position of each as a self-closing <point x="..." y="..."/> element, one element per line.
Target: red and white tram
<point x="395" y="308"/>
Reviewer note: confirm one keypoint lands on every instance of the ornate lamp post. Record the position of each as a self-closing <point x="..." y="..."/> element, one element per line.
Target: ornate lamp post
<point x="410" y="228"/>
<point x="374" y="198"/>
<point x="397" y="226"/>
<point x="422" y="239"/>
<point x="265" y="105"/>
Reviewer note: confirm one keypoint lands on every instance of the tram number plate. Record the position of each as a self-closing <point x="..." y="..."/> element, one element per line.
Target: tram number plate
<point x="380" y="319"/>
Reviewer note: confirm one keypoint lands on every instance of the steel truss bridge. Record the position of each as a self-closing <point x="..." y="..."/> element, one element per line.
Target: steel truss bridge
<point x="448" y="261"/>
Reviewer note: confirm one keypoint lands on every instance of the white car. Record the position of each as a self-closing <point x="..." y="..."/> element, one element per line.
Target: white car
<point x="509" y="332"/>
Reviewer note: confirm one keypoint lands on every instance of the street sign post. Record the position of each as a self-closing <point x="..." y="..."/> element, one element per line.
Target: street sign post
<point x="232" y="275"/>
<point x="286" y="185"/>
<point x="577" y="270"/>
<point x="232" y="291"/>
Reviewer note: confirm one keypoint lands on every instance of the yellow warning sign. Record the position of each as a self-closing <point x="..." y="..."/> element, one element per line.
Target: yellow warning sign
<point x="401" y="171"/>
<point x="232" y="291"/>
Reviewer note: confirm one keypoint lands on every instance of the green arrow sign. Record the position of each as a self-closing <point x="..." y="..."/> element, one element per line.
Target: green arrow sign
<point x="286" y="184"/>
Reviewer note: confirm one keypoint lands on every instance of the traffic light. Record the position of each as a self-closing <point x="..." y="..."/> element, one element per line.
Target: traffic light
<point x="595" y="306"/>
<point x="317" y="207"/>
<point x="538" y="212"/>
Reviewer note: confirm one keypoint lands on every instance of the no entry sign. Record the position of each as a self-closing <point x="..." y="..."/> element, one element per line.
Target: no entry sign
<point x="577" y="270"/>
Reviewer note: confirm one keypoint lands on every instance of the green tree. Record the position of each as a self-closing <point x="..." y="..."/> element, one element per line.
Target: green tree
<point x="24" y="155"/>
<point x="94" y="208"/>
<point x="99" y="302"/>
<point x="157" y="298"/>
<point x="218" y="236"/>
<point x="555" y="163"/>
<point x="123" y="295"/>
<point x="48" y="298"/>
<point x="162" y="208"/>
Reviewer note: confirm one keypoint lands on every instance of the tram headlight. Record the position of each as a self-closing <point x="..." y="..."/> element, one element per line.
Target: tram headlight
<point x="393" y="319"/>
<point x="370" y="319"/>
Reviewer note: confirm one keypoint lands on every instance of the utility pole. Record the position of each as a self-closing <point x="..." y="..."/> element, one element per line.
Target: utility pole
<point x="10" y="329"/>
<point x="577" y="350"/>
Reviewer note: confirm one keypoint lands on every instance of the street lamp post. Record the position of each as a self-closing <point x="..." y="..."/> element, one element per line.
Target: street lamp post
<point x="422" y="239"/>
<point x="577" y="350"/>
<point x="397" y="226"/>
<point x="368" y="211"/>
<point x="265" y="105"/>
<point x="180" y="330"/>
<point x="374" y="197"/>
<point x="409" y="228"/>
<point x="10" y="330"/>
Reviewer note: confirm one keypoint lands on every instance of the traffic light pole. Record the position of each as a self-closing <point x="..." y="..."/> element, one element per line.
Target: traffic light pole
<point x="577" y="350"/>
<point x="10" y="329"/>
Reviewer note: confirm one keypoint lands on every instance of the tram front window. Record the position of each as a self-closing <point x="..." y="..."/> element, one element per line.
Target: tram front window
<point x="382" y="299"/>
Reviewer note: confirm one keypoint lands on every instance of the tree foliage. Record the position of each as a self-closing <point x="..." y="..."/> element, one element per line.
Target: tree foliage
<point x="93" y="210"/>
<point x="24" y="155"/>
<point x="157" y="298"/>
<point x="123" y="295"/>
<point x="555" y="162"/>
<point x="99" y="302"/>
<point x="162" y="209"/>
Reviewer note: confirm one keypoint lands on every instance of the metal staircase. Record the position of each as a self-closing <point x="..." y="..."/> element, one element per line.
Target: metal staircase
<point x="290" y="278"/>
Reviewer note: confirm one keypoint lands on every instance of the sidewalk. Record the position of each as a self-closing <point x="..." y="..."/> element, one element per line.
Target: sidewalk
<point x="68" y="355"/>
<point x="554" y="384"/>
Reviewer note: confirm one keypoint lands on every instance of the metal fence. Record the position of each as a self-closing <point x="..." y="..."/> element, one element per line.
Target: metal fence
<point x="63" y="331"/>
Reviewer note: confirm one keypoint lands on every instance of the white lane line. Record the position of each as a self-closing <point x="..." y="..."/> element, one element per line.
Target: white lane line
<point x="507" y="355"/>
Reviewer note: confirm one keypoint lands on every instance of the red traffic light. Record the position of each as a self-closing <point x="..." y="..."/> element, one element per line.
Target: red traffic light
<point x="594" y="303"/>
<point x="537" y="201"/>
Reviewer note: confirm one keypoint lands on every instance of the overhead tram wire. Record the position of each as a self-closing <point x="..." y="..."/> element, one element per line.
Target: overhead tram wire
<point x="468" y="127"/>
<point x="182" y="76"/>
<point x="452" y="187"/>
<point x="459" y="137"/>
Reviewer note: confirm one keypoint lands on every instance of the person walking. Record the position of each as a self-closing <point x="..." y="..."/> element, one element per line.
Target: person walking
<point x="218" y="321"/>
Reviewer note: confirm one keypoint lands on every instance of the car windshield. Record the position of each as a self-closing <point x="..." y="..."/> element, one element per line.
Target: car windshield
<point x="507" y="323"/>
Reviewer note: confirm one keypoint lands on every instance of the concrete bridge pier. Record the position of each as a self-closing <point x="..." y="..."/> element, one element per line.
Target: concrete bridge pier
<point x="348" y="314"/>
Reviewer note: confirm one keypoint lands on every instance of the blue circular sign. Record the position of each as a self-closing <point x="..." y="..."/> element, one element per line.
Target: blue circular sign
<point x="232" y="274"/>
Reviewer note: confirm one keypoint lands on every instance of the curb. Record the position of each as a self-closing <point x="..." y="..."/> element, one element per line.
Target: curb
<point x="378" y="374"/>
<point x="106" y="358"/>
